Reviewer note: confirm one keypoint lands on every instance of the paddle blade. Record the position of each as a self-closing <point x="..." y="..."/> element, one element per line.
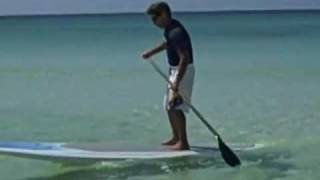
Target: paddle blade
<point x="228" y="155"/>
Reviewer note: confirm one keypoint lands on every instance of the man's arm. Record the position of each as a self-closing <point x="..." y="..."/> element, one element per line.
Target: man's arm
<point x="185" y="58"/>
<point x="160" y="47"/>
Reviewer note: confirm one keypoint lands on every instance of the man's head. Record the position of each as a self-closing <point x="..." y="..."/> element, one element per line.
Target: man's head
<point x="160" y="14"/>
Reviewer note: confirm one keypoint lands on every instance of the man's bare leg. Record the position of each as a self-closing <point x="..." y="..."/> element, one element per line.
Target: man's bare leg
<point x="179" y="122"/>
<point x="174" y="129"/>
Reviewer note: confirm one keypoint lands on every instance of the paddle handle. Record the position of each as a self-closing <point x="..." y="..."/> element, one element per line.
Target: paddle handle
<point x="196" y="112"/>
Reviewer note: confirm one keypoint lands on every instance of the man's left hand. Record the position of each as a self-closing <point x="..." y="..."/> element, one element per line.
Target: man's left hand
<point x="175" y="100"/>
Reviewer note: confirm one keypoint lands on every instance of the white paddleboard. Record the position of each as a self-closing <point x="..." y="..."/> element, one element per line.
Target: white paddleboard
<point x="102" y="152"/>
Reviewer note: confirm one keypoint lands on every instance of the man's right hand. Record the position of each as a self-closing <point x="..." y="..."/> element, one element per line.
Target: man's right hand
<point x="146" y="55"/>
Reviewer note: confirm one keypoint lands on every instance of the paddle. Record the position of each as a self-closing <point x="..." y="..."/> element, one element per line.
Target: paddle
<point x="228" y="155"/>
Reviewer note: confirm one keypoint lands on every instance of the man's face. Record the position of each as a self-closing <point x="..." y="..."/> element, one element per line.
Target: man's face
<point x="159" y="19"/>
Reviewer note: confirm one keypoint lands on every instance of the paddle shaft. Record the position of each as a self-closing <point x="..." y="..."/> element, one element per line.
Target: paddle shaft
<point x="154" y="65"/>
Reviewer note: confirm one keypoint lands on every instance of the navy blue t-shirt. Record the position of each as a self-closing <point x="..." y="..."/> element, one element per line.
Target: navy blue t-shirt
<point x="177" y="38"/>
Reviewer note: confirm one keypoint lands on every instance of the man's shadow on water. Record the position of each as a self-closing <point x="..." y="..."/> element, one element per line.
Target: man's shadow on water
<point x="264" y="159"/>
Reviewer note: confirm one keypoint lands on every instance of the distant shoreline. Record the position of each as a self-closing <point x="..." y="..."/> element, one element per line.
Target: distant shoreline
<point x="276" y="11"/>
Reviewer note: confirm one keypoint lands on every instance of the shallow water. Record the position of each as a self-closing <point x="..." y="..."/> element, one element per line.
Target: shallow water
<point x="81" y="79"/>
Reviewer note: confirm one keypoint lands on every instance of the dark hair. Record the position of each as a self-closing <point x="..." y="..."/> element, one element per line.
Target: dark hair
<point x="158" y="8"/>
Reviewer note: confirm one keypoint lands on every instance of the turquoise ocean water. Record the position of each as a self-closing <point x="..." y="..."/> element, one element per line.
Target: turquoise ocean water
<point x="81" y="79"/>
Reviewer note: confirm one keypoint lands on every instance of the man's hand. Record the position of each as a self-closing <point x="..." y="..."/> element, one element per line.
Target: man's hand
<point x="146" y="55"/>
<point x="176" y="99"/>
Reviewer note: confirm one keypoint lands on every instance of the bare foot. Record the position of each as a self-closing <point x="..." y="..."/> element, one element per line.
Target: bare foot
<point x="179" y="146"/>
<point x="170" y="142"/>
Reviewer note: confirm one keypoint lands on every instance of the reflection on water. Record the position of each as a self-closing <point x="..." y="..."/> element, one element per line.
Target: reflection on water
<point x="123" y="170"/>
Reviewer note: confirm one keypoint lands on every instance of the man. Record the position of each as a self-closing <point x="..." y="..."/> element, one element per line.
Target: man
<point x="181" y="73"/>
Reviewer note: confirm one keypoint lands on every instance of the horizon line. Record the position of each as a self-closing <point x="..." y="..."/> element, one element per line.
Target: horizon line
<point x="174" y="12"/>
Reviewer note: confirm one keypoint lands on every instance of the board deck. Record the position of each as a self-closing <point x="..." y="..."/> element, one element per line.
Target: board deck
<point x="103" y="152"/>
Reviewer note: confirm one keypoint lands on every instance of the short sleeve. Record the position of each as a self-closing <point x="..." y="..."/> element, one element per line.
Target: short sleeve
<point x="178" y="38"/>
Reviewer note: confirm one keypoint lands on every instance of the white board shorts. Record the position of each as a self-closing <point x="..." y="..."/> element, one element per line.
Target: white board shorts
<point x="185" y="87"/>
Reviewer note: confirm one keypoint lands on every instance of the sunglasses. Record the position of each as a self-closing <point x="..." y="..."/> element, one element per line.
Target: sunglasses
<point x="155" y="16"/>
